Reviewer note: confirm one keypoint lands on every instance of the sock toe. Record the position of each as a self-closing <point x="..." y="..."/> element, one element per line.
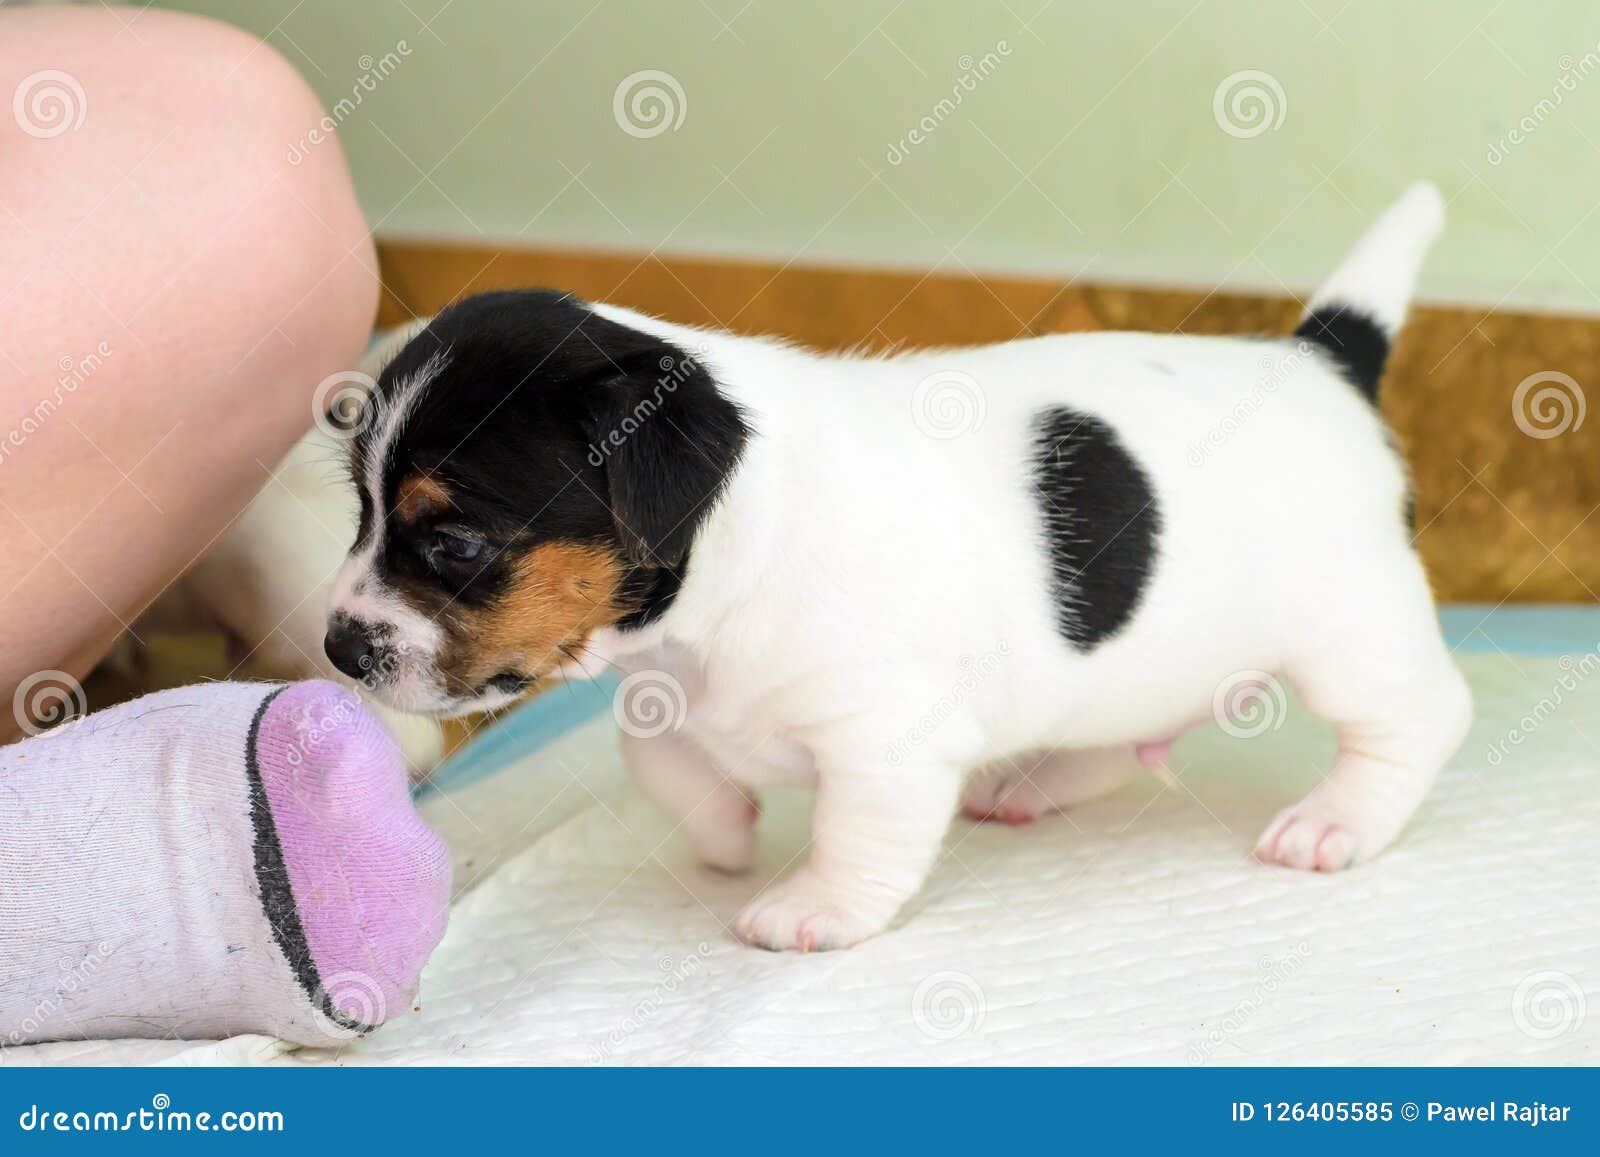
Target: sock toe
<point x="354" y="884"/>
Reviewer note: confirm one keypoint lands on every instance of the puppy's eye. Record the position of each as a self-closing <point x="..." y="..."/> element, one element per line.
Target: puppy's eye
<point x="455" y="547"/>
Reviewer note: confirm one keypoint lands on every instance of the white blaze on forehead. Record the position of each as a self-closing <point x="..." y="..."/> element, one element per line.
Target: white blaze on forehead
<point x="388" y="421"/>
<point x="358" y="588"/>
<point x="407" y="676"/>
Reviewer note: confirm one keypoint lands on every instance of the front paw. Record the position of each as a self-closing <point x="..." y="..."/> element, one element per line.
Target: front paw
<point x="807" y="914"/>
<point x="1310" y="838"/>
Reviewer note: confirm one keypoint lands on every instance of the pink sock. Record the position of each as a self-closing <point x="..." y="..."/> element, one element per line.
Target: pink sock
<point x="219" y="859"/>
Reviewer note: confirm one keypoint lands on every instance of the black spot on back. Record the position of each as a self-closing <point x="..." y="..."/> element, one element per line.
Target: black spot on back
<point x="1355" y="343"/>
<point x="1100" y="520"/>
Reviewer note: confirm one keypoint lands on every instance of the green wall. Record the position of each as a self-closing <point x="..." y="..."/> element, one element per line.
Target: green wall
<point x="1090" y="144"/>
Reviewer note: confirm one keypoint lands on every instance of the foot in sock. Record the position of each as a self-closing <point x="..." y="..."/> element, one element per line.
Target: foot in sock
<point x="212" y="860"/>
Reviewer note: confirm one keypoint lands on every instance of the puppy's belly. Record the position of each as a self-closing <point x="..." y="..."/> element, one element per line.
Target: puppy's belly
<point x="752" y="760"/>
<point x="1147" y="690"/>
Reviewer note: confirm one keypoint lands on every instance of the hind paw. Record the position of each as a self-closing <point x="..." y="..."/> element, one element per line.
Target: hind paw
<point x="1008" y="797"/>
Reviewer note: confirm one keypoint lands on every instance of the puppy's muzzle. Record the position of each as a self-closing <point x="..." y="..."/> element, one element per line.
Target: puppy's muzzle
<point x="351" y="646"/>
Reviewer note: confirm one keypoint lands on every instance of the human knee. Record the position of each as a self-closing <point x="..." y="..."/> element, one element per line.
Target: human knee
<point x="185" y="157"/>
<point x="284" y="214"/>
<point x="287" y="233"/>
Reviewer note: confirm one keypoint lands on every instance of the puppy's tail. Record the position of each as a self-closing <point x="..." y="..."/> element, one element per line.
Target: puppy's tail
<point x="1358" y="311"/>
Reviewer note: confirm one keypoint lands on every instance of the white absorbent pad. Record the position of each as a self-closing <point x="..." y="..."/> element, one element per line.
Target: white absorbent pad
<point x="1137" y="929"/>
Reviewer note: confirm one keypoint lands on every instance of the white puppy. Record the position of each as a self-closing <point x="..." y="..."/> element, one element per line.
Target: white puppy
<point x="885" y="576"/>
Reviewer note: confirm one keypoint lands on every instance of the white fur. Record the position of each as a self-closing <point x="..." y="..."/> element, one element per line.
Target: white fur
<point x="1381" y="271"/>
<point x="869" y="607"/>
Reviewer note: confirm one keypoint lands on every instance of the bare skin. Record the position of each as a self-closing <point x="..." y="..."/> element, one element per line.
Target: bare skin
<point x="172" y="290"/>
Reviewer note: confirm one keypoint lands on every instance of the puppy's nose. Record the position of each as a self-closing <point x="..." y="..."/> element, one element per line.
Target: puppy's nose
<point x="349" y="646"/>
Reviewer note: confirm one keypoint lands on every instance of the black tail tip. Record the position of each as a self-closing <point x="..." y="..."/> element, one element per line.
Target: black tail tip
<point x="1355" y="342"/>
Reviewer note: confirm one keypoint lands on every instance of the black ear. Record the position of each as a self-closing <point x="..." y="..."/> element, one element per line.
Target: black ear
<point x="669" y="441"/>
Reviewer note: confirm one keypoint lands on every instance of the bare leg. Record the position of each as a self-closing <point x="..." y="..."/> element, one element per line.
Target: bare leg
<point x="173" y="289"/>
<point x="1021" y="791"/>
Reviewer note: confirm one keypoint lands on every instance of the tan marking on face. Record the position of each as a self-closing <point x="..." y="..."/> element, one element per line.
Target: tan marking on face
<point x="419" y="495"/>
<point x="560" y="593"/>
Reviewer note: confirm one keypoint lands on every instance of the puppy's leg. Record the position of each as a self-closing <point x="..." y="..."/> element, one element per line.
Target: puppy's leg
<point x="1401" y="708"/>
<point x="875" y="835"/>
<point x="1020" y="791"/>
<point x="718" y="816"/>
<point x="875" y="831"/>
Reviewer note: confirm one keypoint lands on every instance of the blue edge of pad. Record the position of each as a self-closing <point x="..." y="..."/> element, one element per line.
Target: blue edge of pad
<point x="1471" y="628"/>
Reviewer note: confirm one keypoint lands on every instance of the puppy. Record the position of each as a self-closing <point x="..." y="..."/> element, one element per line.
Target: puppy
<point x="999" y="572"/>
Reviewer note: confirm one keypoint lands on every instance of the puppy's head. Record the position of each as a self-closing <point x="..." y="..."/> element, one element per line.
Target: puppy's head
<point x="529" y="472"/>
